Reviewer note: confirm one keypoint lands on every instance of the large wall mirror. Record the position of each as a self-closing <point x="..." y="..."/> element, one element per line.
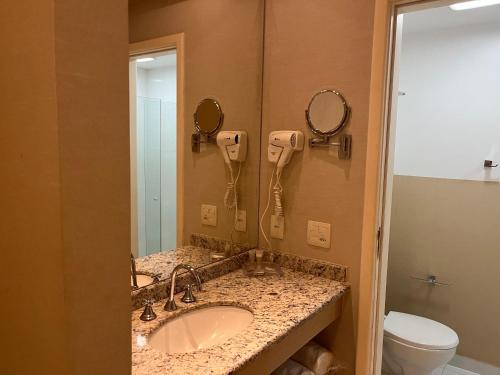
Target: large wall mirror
<point x="212" y="53"/>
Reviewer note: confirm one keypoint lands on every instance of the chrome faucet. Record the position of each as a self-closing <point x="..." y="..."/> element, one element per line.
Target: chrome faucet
<point x="170" y="305"/>
<point x="134" y="271"/>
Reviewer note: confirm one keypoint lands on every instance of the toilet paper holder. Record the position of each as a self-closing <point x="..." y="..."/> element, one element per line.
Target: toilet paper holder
<point x="489" y="164"/>
<point x="431" y="280"/>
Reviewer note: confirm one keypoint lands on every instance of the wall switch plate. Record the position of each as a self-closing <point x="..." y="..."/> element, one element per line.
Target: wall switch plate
<point x="209" y="215"/>
<point x="318" y="234"/>
<point x="277" y="227"/>
<point x="241" y="221"/>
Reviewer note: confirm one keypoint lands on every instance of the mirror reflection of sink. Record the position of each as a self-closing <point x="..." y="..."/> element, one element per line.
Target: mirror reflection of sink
<point x="200" y="329"/>
<point x="142" y="280"/>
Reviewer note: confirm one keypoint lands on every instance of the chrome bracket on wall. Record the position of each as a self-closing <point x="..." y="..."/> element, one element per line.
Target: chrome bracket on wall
<point x="197" y="139"/>
<point x="344" y="145"/>
<point x="432" y="280"/>
<point x="490" y="164"/>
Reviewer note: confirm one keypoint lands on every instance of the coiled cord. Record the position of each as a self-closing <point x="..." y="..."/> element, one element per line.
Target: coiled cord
<point x="231" y="196"/>
<point x="266" y="209"/>
<point x="278" y="192"/>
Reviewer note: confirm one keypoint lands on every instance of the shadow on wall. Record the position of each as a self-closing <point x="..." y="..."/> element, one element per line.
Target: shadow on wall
<point x="339" y="338"/>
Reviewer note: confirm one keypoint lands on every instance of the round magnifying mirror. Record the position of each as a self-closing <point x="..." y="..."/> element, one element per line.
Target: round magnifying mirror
<point x="208" y="116"/>
<point x="327" y="113"/>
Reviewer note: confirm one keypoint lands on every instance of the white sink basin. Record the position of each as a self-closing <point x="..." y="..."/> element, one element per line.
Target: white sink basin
<point x="200" y="329"/>
<point x="142" y="280"/>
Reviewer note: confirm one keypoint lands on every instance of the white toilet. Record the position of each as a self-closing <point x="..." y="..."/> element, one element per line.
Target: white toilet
<point x="414" y="345"/>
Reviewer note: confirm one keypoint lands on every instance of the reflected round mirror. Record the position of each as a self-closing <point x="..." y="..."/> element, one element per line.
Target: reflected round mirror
<point x="327" y="113"/>
<point x="208" y="116"/>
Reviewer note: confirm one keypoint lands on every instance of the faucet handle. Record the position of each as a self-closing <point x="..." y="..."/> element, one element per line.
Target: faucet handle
<point x="188" y="296"/>
<point x="148" y="313"/>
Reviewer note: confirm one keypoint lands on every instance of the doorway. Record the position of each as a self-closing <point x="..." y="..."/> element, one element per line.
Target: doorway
<point x="439" y="217"/>
<point x="155" y="84"/>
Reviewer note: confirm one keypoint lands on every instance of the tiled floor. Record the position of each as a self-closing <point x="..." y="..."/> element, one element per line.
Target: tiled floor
<point x="452" y="370"/>
<point x="458" y="362"/>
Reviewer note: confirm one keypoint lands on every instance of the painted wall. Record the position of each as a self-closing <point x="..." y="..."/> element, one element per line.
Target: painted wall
<point x="32" y="279"/>
<point x="157" y="83"/>
<point x="309" y="46"/>
<point x="65" y="173"/>
<point x="444" y="217"/>
<point x="223" y="59"/>
<point x="448" y="228"/>
<point x="448" y="122"/>
<point x="92" y="90"/>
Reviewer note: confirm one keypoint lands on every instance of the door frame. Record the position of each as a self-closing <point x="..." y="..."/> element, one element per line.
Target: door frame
<point x="378" y="184"/>
<point x="164" y="43"/>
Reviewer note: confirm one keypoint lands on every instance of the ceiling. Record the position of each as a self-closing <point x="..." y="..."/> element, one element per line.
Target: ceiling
<point x="444" y="17"/>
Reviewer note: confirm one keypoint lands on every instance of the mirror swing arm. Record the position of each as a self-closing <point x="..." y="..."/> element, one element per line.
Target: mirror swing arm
<point x="323" y="140"/>
<point x="344" y="145"/>
<point x="198" y="138"/>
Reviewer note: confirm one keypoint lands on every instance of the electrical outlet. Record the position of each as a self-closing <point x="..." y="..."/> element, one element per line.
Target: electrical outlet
<point x="241" y="221"/>
<point x="209" y="215"/>
<point x="318" y="234"/>
<point x="277" y="227"/>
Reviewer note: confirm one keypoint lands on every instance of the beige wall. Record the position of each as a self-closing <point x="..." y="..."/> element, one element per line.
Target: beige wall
<point x="31" y="278"/>
<point x="92" y="90"/>
<point x="448" y="228"/>
<point x="312" y="45"/>
<point x="223" y="57"/>
<point x="64" y="195"/>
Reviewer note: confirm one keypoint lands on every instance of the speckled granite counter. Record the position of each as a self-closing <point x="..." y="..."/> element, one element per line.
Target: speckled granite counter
<point x="279" y="304"/>
<point x="202" y="250"/>
<point x="211" y="256"/>
<point x="158" y="291"/>
<point x="163" y="262"/>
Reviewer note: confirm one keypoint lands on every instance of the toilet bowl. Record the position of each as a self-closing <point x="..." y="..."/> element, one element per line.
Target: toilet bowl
<point x="414" y="345"/>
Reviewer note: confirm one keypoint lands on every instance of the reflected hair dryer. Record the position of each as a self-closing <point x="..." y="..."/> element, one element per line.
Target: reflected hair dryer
<point x="233" y="145"/>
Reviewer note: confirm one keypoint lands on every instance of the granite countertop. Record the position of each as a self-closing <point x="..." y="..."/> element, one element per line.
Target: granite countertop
<point x="163" y="262"/>
<point x="202" y="250"/>
<point x="278" y="303"/>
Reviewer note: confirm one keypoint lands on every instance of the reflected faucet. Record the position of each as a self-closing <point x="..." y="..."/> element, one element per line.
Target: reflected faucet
<point x="170" y="305"/>
<point x="134" y="272"/>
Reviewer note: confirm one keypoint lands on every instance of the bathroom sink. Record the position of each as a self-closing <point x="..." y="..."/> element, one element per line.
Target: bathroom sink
<point x="200" y="329"/>
<point x="142" y="280"/>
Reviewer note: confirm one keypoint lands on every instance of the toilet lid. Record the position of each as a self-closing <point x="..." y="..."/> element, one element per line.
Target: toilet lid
<point x="419" y="332"/>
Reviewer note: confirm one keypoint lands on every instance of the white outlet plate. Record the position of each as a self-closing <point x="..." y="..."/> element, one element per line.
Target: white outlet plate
<point x="319" y="234"/>
<point x="241" y="221"/>
<point x="277" y="227"/>
<point x="209" y="215"/>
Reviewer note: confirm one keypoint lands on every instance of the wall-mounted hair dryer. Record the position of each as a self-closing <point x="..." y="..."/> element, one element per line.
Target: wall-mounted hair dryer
<point x="281" y="146"/>
<point x="233" y="145"/>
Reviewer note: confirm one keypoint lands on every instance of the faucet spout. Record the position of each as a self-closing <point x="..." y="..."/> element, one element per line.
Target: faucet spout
<point x="171" y="305"/>
<point x="134" y="271"/>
